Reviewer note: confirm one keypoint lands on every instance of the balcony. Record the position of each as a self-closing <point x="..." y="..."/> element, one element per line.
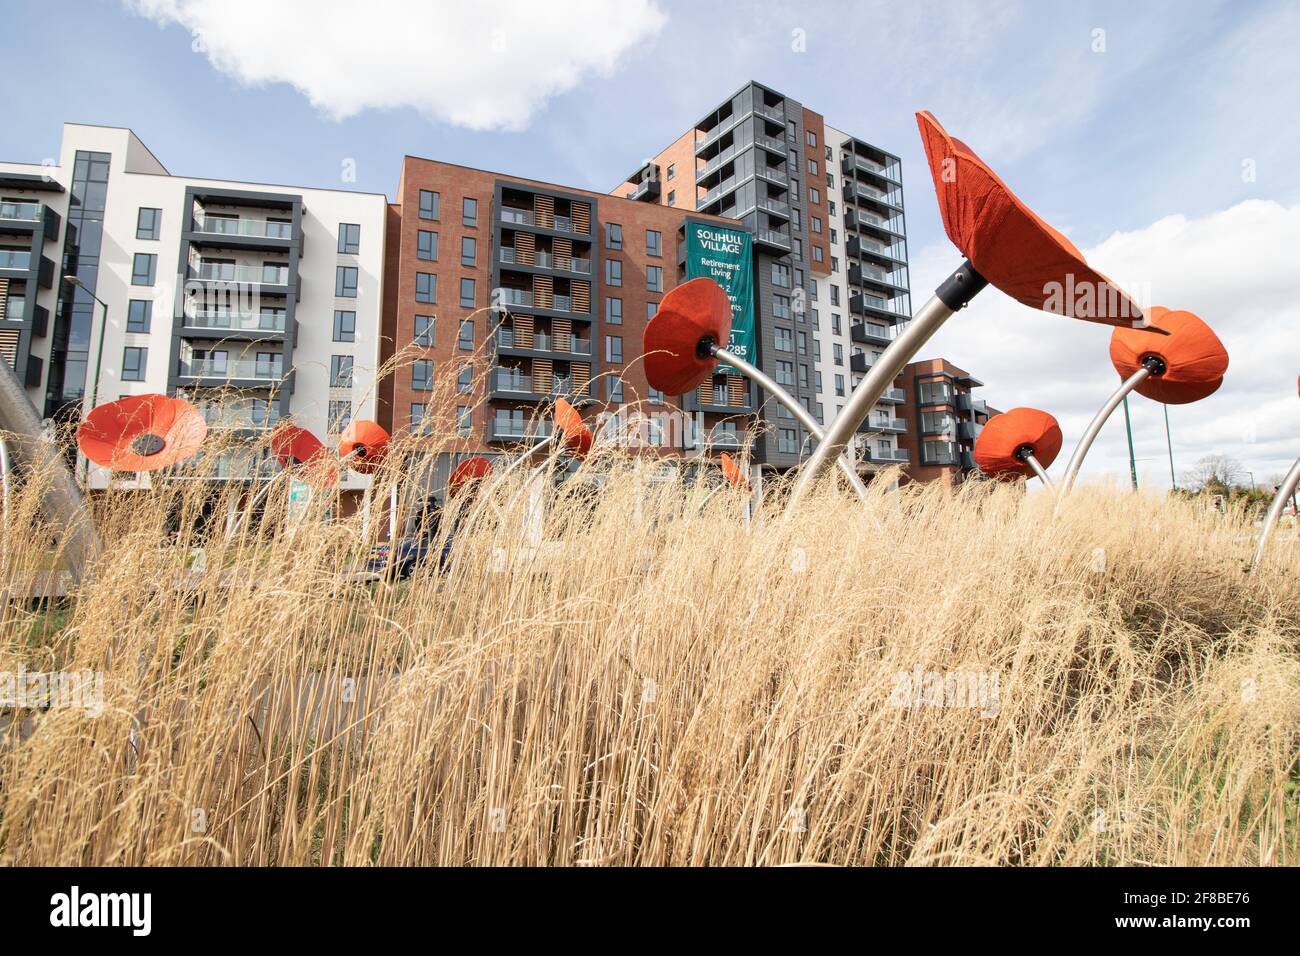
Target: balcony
<point x="15" y="259"/>
<point x="773" y="174"/>
<point x="515" y="430"/>
<point x="860" y="361"/>
<point x="892" y="309"/>
<point x="866" y="247"/>
<point x="773" y="239"/>
<point x="871" y="275"/>
<point x="21" y="218"/>
<point x="222" y="323"/>
<point x="869" y="333"/>
<point x="855" y="163"/>
<point x="939" y="453"/>
<point x="646" y="191"/>
<point x="236" y="418"/>
<point x="884" y="425"/>
<point x="894" y="456"/>
<point x="272" y="279"/>
<point x="969" y="431"/>
<point x="719" y="438"/>
<point x="718" y="161"/>
<point x="774" y="207"/>
<point x="509" y="384"/>
<point x="894" y="396"/>
<point x="508" y="340"/>
<point x="21" y="211"/>
<point x="546" y="260"/>
<point x="888" y="201"/>
<point x="774" y="113"/>
<point x="865" y="221"/>
<point x="965" y="403"/>
<point x="514" y="216"/>
<point x="232" y="370"/>
<point x="230" y="466"/>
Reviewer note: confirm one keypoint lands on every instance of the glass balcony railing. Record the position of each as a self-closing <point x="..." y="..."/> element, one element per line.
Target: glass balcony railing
<point x="21" y="211"/>
<point x="225" y="272"/>
<point x="228" y="369"/>
<point x="547" y="260"/>
<point x="15" y="259"/>
<point x="505" y="381"/>
<point x="514" y="429"/>
<point x="526" y="217"/>
<point x="544" y="341"/>
<point x="235" y="417"/>
<point x="252" y="228"/>
<point x="219" y="320"/>
<point x="718" y="437"/>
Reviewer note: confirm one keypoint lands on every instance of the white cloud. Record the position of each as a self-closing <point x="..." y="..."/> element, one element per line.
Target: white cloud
<point x="482" y="64"/>
<point x="1236" y="269"/>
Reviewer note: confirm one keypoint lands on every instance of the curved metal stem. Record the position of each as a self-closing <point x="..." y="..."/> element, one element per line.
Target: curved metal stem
<point x="1284" y="491"/>
<point x="802" y="414"/>
<point x="1094" y="429"/>
<point x="1039" y="470"/>
<point x="4" y="478"/>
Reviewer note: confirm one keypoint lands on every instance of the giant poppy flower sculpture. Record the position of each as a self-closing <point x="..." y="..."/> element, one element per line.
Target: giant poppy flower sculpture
<point x="1005" y="244"/>
<point x="687" y="338"/>
<point x="468" y="474"/>
<point x="141" y="433"/>
<point x="298" y="450"/>
<point x="1285" y="491"/>
<point x="733" y="473"/>
<point x="363" y="445"/>
<point x="1183" y="365"/>
<point x="1018" y="443"/>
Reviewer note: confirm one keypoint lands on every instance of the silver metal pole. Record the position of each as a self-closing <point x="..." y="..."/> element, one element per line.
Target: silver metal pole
<point x="62" y="500"/>
<point x="1095" y="426"/>
<point x="1039" y="470"/>
<point x="802" y="414"/>
<point x="877" y="381"/>
<point x="4" y="478"/>
<point x="1284" y="491"/>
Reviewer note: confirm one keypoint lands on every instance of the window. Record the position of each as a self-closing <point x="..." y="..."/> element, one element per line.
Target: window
<point x="656" y="396"/>
<point x="424" y="331"/>
<point x="468" y="251"/>
<point x="812" y="167"/>
<point x="780" y="275"/>
<point x="139" y="313"/>
<point x="835" y="263"/>
<point x="784" y="372"/>
<point x="654" y="242"/>
<point x="802" y="339"/>
<point x="469" y="212"/>
<point x="817" y="354"/>
<point x="835" y="295"/>
<point x="465" y="339"/>
<point x="812" y="139"/>
<point x="839" y="385"/>
<point x="803" y="378"/>
<point x="836" y="321"/>
<point x="672" y="197"/>
<point x="797" y="247"/>
<point x="613" y="235"/>
<point x="148" y="223"/>
<point x="613" y="348"/>
<point x="340" y="413"/>
<point x="422" y="375"/>
<point x="613" y="310"/>
<point x="134" y="360"/>
<point x="837" y="352"/>
<point x="614" y="387"/>
<point x="781" y="306"/>
<point x="426" y="287"/>
<point x="419" y="413"/>
<point x="345" y="282"/>
<point x="464" y="420"/>
<point x="426" y="245"/>
<point x="340" y="371"/>
<point x="935" y="392"/>
<point x="467" y="293"/>
<point x="654" y="278"/>
<point x="428" y="205"/>
<point x="672" y="170"/>
<point x="817" y="376"/>
<point x="791" y="132"/>
<point x="143" y="267"/>
<point x="349" y="238"/>
<point x="465" y="380"/>
<point x="814" y="195"/>
<point x="650" y="309"/>
<point x="782" y="340"/>
<point x="816" y="222"/>
<point x="345" y="326"/>
<point x="787" y="441"/>
<point x="613" y="272"/>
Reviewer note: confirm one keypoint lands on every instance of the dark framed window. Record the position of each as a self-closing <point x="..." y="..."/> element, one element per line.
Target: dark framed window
<point x="465" y="380"/>
<point x="613" y="310"/>
<point x="614" y="388"/>
<point x="654" y="278"/>
<point x="780" y="275"/>
<point x="787" y="441"/>
<point x="345" y="326"/>
<point x="654" y="242"/>
<point x="135" y="361"/>
<point x="613" y="348"/>
<point x="613" y="235"/>
<point x="349" y="238"/>
<point x="781" y="306"/>
<point x="465" y="338"/>
<point x="144" y="267"/>
<point x="424" y="331"/>
<point x="139" y="315"/>
<point x="464" y="420"/>
<point x="422" y="375"/>
<point x="650" y="309"/>
<point x="426" y="245"/>
<point x="426" y="287"/>
<point x="340" y="371"/>
<point x="468" y="251"/>
<point x="782" y="340"/>
<point x="345" y="282"/>
<point x="467" y="293"/>
<point x="469" y="212"/>
<point x="429" y="202"/>
<point x="419" y="412"/>
<point x="785" y="372"/>
<point x="613" y="272"/>
<point x="340" y="413"/>
<point x="148" y="223"/>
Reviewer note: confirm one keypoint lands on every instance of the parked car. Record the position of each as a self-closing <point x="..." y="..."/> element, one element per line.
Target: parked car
<point x="395" y="561"/>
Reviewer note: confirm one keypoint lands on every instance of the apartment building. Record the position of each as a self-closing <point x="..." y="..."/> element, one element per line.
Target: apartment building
<point x="942" y="420"/>
<point x="257" y="302"/>
<point x="830" y="283"/>
<point x="505" y="293"/>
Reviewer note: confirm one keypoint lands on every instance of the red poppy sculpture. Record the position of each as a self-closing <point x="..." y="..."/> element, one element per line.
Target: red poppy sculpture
<point x="467" y="474"/>
<point x="142" y="433"/>
<point x="363" y="445"/>
<point x="1285" y="491"/>
<point x="733" y="473"/>
<point x="1183" y="363"/>
<point x="572" y="430"/>
<point x="1005" y="244"/>
<point x="1019" y="443"/>
<point x="687" y="338"/>
<point x="299" y="450"/>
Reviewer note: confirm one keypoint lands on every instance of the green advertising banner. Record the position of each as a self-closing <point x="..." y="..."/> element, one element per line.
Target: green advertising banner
<point x="727" y="257"/>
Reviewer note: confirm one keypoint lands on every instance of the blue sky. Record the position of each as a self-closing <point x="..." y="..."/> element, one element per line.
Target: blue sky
<point x="1107" y="118"/>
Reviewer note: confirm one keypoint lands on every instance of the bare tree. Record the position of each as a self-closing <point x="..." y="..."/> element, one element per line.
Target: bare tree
<point x="1216" y="472"/>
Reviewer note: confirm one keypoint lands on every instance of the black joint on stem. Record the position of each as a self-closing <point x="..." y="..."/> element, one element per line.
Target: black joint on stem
<point x="960" y="287"/>
<point x="706" y="348"/>
<point x="1154" y="364"/>
<point x="1024" y="452"/>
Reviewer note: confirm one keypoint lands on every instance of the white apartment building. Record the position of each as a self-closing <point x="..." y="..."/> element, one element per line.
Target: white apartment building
<point x="256" y="302"/>
<point x="865" y="297"/>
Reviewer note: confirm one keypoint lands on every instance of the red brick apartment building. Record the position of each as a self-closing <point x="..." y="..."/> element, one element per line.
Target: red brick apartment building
<point x="943" y="419"/>
<point x="573" y="276"/>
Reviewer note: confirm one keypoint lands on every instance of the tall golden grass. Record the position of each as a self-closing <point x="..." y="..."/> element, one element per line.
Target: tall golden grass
<point x="644" y="677"/>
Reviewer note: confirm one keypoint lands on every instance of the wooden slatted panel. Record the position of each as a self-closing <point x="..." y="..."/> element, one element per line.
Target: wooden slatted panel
<point x="581" y="292"/>
<point x="542" y="375"/>
<point x="563" y="254"/>
<point x="704" y="393"/>
<point x="543" y="292"/>
<point x="524" y="331"/>
<point x="736" y="390"/>
<point x="9" y="347"/>
<point x="544" y="211"/>
<point x="562" y="329"/>
<point x="581" y="377"/>
<point x="580" y="213"/>
<point x="525" y="248"/>
<point x="4" y="298"/>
